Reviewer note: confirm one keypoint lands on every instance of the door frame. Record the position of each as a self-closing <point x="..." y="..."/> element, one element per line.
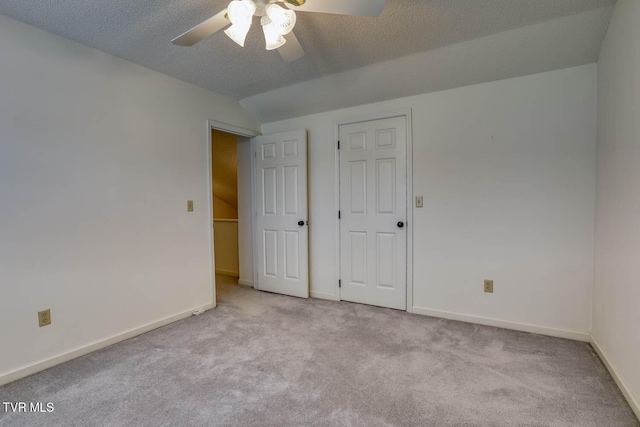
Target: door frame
<point x="239" y="131"/>
<point x="406" y="113"/>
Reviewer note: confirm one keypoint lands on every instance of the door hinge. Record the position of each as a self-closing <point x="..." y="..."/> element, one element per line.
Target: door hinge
<point x="338" y="214"/>
<point x="339" y="283"/>
<point x="338" y="145"/>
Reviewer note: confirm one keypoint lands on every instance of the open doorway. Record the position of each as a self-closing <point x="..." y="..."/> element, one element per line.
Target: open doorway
<point x="231" y="207"/>
<point x="224" y="168"/>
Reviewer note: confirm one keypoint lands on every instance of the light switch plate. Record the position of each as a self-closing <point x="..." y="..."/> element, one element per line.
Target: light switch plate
<point x="189" y="205"/>
<point x="419" y="201"/>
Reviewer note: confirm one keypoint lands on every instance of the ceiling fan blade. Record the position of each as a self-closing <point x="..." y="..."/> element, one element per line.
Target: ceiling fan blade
<point x="291" y="50"/>
<point x="341" y="7"/>
<point x="202" y="30"/>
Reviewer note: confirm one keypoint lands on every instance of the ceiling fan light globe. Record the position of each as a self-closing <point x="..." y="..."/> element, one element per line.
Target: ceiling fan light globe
<point x="238" y="33"/>
<point x="282" y="18"/>
<point x="281" y="41"/>
<point x="241" y="12"/>
<point x="272" y="37"/>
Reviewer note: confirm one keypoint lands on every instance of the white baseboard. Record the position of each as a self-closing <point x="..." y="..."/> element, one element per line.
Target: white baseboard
<point x="11" y="376"/>
<point x="506" y="324"/>
<point x="245" y="282"/>
<point x="633" y="402"/>
<point x="228" y="273"/>
<point x="322" y="295"/>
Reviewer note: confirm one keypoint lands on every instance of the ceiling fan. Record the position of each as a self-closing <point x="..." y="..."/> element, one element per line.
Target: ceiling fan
<point x="277" y="21"/>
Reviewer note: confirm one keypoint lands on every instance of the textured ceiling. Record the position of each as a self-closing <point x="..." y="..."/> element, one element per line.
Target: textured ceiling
<point x="140" y="31"/>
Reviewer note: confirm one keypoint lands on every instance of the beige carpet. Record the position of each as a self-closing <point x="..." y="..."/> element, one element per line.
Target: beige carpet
<point x="260" y="359"/>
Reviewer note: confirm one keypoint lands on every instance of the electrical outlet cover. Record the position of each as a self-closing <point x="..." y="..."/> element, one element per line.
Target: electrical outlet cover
<point x="488" y="286"/>
<point x="44" y="317"/>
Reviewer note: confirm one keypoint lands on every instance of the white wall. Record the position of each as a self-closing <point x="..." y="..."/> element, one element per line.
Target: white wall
<point x="507" y="172"/>
<point x="98" y="158"/>
<point x="245" y="227"/>
<point x="616" y="308"/>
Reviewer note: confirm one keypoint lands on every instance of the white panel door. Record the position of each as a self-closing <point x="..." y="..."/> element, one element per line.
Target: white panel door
<point x="373" y="208"/>
<point x="282" y="233"/>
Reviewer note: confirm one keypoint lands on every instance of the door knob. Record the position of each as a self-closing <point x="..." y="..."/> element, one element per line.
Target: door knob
<point x="300" y="223"/>
<point x="400" y="224"/>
